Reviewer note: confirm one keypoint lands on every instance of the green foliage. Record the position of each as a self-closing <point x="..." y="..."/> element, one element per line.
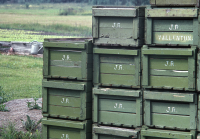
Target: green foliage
<point x="3" y="96"/>
<point x="33" y="105"/>
<point x="10" y="132"/>
<point x="30" y="125"/>
<point x="3" y="107"/>
<point x="27" y="5"/>
<point x="68" y="11"/>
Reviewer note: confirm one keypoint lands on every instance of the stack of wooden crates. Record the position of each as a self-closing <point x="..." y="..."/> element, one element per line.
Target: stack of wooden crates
<point x="138" y="78"/>
<point x="67" y="89"/>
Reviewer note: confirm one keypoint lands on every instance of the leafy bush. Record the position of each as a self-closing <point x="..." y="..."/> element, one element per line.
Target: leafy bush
<point x="30" y="125"/>
<point x="3" y="107"/>
<point x="68" y="11"/>
<point x="33" y="105"/>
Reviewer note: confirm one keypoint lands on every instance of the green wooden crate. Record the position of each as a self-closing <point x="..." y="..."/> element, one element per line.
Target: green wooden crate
<point x="172" y="26"/>
<point x="67" y="99"/>
<point x="118" y="107"/>
<point x="166" y="134"/>
<point x="169" y="68"/>
<point x="69" y="58"/>
<point x="66" y="129"/>
<point x="170" y="110"/>
<point x="175" y="3"/>
<point x="116" y="67"/>
<point x="107" y="132"/>
<point x="118" y="26"/>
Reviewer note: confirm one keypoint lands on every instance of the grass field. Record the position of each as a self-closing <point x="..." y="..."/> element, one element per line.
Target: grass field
<point x="45" y="18"/>
<point x="21" y="76"/>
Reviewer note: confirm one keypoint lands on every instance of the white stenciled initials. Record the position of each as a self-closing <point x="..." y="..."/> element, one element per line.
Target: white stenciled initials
<point x="116" y="25"/>
<point x="119" y="106"/>
<point x="63" y="136"/>
<point x="118" y="67"/>
<point x="169" y="63"/>
<point x="66" y="57"/>
<point x="173" y="27"/>
<point x="169" y="109"/>
<point x="65" y="100"/>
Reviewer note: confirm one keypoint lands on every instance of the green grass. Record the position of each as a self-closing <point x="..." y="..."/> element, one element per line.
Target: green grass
<point x="21" y="76"/>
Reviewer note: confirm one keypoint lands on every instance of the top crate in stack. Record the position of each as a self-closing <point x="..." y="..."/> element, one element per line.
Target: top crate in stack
<point x="68" y="58"/>
<point x="118" y="26"/>
<point x="175" y="3"/>
<point x="176" y="26"/>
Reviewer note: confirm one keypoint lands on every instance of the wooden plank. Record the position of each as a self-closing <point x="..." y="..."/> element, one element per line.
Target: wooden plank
<point x="46" y="61"/>
<point x="65" y="71"/>
<point x="117" y="118"/>
<point x="175" y="12"/>
<point x="119" y="12"/>
<point x="95" y="27"/>
<point x="176" y="2"/>
<point x="115" y="51"/>
<point x="64" y="123"/>
<point x="64" y="101"/>
<point x="44" y="132"/>
<point x="116" y="92"/>
<point x="72" y="86"/>
<point x="168" y="64"/>
<point x="44" y="99"/>
<point x="115" y="22"/>
<point x="120" y="41"/>
<point x="170" y="108"/>
<point x="114" y="105"/>
<point x="173" y="25"/>
<point x="193" y="115"/>
<point x="64" y="111"/>
<point x="84" y="66"/>
<point x="115" y="131"/>
<point x="173" y="37"/>
<point x="170" y="52"/>
<point x="65" y="55"/>
<point x="96" y="69"/>
<point x="155" y="133"/>
<point x="152" y="2"/>
<point x="161" y="96"/>
<point x="75" y="45"/>
<point x="149" y="30"/>
<point x="120" y="59"/>
<point x="147" y="112"/>
<point x="117" y="79"/>
<point x="169" y="73"/>
<point x="117" y="68"/>
<point x="116" y="33"/>
<point x="64" y="92"/>
<point x="95" y="103"/>
<point x="171" y="120"/>
<point x="166" y="81"/>
<point x="192" y="69"/>
<point x="139" y="111"/>
<point x="195" y="31"/>
<point x="63" y="133"/>
<point x="68" y="64"/>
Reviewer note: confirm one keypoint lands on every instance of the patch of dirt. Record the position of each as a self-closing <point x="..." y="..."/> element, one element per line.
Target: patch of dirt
<point x="18" y="110"/>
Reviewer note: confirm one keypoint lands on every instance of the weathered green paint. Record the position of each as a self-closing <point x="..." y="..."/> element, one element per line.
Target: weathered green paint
<point x="170" y="110"/>
<point x="198" y="72"/>
<point x="117" y="109"/>
<point x="116" y="67"/>
<point x="166" y="134"/>
<point x="198" y="121"/>
<point x="169" y="68"/>
<point x="125" y="28"/>
<point x="178" y="26"/>
<point x="57" y="128"/>
<point x="67" y="99"/>
<point x="175" y="3"/>
<point x="68" y="58"/>
<point x="107" y="132"/>
<point x="171" y="12"/>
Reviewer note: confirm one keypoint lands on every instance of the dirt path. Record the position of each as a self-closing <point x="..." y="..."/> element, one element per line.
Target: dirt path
<point x="18" y="110"/>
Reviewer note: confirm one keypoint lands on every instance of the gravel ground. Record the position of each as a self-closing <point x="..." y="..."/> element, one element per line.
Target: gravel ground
<point x="18" y="109"/>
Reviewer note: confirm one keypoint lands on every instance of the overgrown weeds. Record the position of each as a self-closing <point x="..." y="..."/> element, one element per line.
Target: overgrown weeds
<point x="10" y="132"/>
<point x="30" y="125"/>
<point x="34" y="105"/>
